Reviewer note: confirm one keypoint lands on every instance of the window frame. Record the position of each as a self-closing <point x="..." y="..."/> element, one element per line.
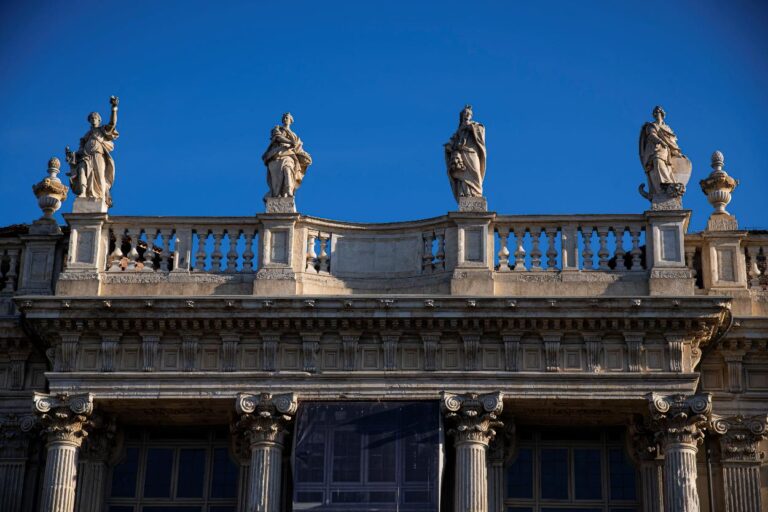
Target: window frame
<point x="605" y="504"/>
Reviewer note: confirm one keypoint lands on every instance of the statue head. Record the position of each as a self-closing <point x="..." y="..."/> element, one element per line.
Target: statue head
<point x="466" y="114"/>
<point x="94" y="119"/>
<point x="658" y="113"/>
<point x="287" y="119"/>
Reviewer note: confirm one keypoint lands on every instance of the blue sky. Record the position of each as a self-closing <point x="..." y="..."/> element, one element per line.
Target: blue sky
<point x="375" y="89"/>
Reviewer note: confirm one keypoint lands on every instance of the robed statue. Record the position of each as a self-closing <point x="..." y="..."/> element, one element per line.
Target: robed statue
<point x="92" y="169"/>
<point x="465" y="157"/>
<point x="285" y="159"/>
<point x="667" y="168"/>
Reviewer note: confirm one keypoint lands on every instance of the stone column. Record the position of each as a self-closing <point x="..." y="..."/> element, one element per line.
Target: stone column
<point x="65" y="419"/>
<point x="264" y="419"/>
<point x="92" y="469"/>
<point x="679" y="421"/>
<point x="14" y="451"/>
<point x="472" y="420"/>
<point x="647" y="454"/>
<point x="740" y="457"/>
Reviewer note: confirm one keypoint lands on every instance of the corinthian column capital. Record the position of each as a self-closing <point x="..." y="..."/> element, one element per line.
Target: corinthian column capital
<point x="740" y="437"/>
<point x="680" y="418"/>
<point x="64" y="417"/>
<point x="473" y="417"/>
<point x="265" y="417"/>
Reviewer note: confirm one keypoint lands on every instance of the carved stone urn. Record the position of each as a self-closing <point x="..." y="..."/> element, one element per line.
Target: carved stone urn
<point x="50" y="192"/>
<point x="718" y="185"/>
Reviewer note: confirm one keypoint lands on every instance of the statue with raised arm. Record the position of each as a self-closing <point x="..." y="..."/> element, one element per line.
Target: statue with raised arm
<point x="285" y="159"/>
<point x="667" y="168"/>
<point x="92" y="169"/>
<point x="465" y="160"/>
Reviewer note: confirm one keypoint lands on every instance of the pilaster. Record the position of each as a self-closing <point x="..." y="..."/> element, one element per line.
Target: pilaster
<point x="95" y="453"/>
<point x="741" y="457"/>
<point x="665" y="259"/>
<point x="15" y="433"/>
<point x="264" y="419"/>
<point x="679" y="421"/>
<point x="645" y="450"/>
<point x="472" y="419"/>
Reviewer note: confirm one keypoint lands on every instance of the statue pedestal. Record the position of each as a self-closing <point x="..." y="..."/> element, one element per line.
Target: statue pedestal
<point x="722" y="222"/>
<point x="89" y="205"/>
<point x="280" y="204"/>
<point x="473" y="204"/>
<point x="663" y="202"/>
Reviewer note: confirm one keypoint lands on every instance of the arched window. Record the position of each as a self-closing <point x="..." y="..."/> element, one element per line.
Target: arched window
<point x="571" y="470"/>
<point x="174" y="470"/>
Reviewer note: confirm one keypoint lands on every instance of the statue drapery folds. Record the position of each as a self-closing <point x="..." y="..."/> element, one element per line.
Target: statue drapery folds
<point x="667" y="168"/>
<point x="92" y="169"/>
<point x="465" y="157"/>
<point x="285" y="159"/>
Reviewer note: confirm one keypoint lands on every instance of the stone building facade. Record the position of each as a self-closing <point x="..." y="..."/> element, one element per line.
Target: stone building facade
<point x="470" y="362"/>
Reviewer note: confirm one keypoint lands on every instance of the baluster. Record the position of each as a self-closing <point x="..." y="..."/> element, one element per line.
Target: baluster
<point x="149" y="252"/>
<point x="426" y="258"/>
<point x="216" y="255"/>
<point x="690" y="253"/>
<point x="636" y="252"/>
<point x="311" y="254"/>
<point x="551" y="249"/>
<point x="621" y="262"/>
<point x="248" y="252"/>
<point x="133" y="254"/>
<point x="234" y="236"/>
<point x="519" y="251"/>
<point x="165" y="253"/>
<point x="504" y="251"/>
<point x="753" y="270"/>
<point x="10" y="276"/>
<point x="586" y="254"/>
<point x="202" y="237"/>
<point x="116" y="256"/>
<point x="535" y="251"/>
<point x="602" y="252"/>
<point x="325" y="260"/>
<point x="764" y="250"/>
<point x="440" y="251"/>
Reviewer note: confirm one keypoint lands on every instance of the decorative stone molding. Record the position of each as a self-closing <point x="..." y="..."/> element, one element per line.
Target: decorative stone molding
<point x="64" y="418"/>
<point x="269" y="351"/>
<point x="593" y="345"/>
<point x="733" y="352"/>
<point x="265" y="417"/>
<point x="552" y="351"/>
<point x="474" y="417"/>
<point x="471" y="342"/>
<point x="511" y="350"/>
<point x="389" y="343"/>
<point x="310" y="347"/>
<point x="634" y="343"/>
<point x="68" y="352"/>
<point x="675" y="344"/>
<point x="149" y="349"/>
<point x="190" y="348"/>
<point x="15" y="435"/>
<point x="740" y="437"/>
<point x="229" y="344"/>
<point x="680" y="418"/>
<point x="431" y="345"/>
<point x="349" y="342"/>
<point x="109" y="345"/>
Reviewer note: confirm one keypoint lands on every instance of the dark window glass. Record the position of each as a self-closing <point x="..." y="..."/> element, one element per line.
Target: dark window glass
<point x="381" y="457"/>
<point x="310" y="457"/>
<point x="169" y="508"/>
<point x="623" y="510"/>
<point x="221" y="509"/>
<point x="120" y="509"/>
<point x="419" y="457"/>
<point x="622" y="476"/>
<point x="571" y="434"/>
<point x="124" y="475"/>
<point x="587" y="474"/>
<point x="191" y="473"/>
<point x="520" y="475"/>
<point x="348" y="497"/>
<point x="346" y="456"/>
<point x="554" y="473"/>
<point x="309" y="497"/>
<point x="383" y="497"/>
<point x="567" y="509"/>
<point x="416" y="497"/>
<point x="157" y="482"/>
<point x="519" y="509"/>
<point x="225" y="475"/>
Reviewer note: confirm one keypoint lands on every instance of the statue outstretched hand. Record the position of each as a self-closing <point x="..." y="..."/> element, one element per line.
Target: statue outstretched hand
<point x="114" y="100"/>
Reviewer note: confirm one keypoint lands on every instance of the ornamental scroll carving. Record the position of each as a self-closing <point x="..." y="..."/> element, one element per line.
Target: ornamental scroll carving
<point x="473" y="417"/>
<point x="680" y="419"/>
<point x="264" y="418"/>
<point x="64" y="418"/>
<point x="740" y="437"/>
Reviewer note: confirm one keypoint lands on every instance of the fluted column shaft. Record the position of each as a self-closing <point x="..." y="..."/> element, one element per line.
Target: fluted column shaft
<point x="265" y="477"/>
<point x="680" y="494"/>
<point x="651" y="483"/>
<point x="59" y="482"/>
<point x="473" y="419"/>
<point x="742" y="487"/>
<point x="11" y="484"/>
<point x="91" y="481"/>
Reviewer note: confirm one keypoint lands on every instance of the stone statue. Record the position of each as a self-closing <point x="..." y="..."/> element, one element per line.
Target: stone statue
<point x="667" y="168"/>
<point x="92" y="170"/>
<point x="465" y="157"/>
<point x="286" y="160"/>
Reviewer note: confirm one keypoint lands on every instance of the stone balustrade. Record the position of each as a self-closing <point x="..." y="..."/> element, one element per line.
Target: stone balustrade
<point x="756" y="255"/>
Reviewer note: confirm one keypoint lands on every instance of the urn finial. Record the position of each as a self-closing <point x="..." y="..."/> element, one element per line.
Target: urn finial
<point x="50" y="191"/>
<point x="718" y="187"/>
